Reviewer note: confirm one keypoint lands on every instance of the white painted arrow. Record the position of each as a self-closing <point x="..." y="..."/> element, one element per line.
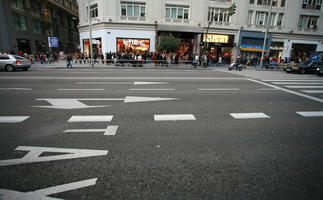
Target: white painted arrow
<point x="43" y="194"/>
<point x="76" y="104"/>
<point x="35" y="152"/>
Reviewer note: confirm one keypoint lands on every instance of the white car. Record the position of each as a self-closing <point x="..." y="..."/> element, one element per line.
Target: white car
<point x="13" y="62"/>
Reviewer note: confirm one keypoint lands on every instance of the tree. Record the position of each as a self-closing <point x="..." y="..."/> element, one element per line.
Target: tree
<point x="169" y="43"/>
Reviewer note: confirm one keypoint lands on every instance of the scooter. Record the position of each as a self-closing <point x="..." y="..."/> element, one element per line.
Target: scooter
<point x="235" y="66"/>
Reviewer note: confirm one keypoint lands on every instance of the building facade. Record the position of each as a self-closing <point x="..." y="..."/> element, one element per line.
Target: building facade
<point x="26" y="25"/>
<point x="295" y="26"/>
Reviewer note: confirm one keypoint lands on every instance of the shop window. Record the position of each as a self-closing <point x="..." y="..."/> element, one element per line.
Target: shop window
<point x="38" y="27"/>
<point x="177" y="12"/>
<point x="19" y="22"/>
<point x="18" y="4"/>
<point x="219" y="15"/>
<point x="306" y="21"/>
<point x="132" y="45"/>
<point x="133" y="9"/>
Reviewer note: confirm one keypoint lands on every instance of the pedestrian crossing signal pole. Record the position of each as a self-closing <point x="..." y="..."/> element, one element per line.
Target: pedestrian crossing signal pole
<point x="90" y="29"/>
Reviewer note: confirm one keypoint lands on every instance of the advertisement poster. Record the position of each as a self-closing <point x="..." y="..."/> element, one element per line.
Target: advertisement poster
<point x="186" y="46"/>
<point x="53" y="42"/>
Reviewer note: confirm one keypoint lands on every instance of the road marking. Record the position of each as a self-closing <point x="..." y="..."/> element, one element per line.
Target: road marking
<point x="267" y="89"/>
<point x="76" y="104"/>
<point x="313" y="91"/>
<point x="16" y="89"/>
<point x="218" y="89"/>
<point x="34" y="155"/>
<point x="293" y="80"/>
<point x="295" y="83"/>
<point x="111" y="130"/>
<point x="152" y="89"/>
<point x="311" y="114"/>
<point x="288" y="91"/>
<point x="175" y="117"/>
<point x="44" y="193"/>
<point x="80" y="89"/>
<point x="249" y="115"/>
<point x="121" y="83"/>
<point x="303" y="86"/>
<point x="149" y="83"/>
<point x="13" y="119"/>
<point x="91" y="118"/>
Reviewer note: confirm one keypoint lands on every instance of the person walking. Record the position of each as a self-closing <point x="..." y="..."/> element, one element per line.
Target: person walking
<point x="69" y="60"/>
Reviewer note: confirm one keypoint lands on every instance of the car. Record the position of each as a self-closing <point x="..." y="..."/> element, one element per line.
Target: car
<point x="319" y="70"/>
<point x="307" y="66"/>
<point x="10" y="62"/>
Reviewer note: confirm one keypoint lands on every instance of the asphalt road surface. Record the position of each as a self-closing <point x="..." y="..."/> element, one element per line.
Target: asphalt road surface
<point x="160" y="134"/>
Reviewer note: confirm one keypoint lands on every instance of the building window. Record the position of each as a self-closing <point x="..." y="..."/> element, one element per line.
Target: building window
<point x="19" y="22"/>
<point x="35" y="9"/>
<point x="219" y="15"/>
<point x="280" y="19"/>
<point x="251" y="1"/>
<point x="306" y="21"/>
<point x="94" y="10"/>
<point x="261" y="18"/>
<point x="267" y="2"/>
<point x="312" y="4"/>
<point x="177" y="12"/>
<point x="133" y="9"/>
<point x="272" y="19"/>
<point x="250" y="13"/>
<point x="282" y="3"/>
<point x="38" y="27"/>
<point x="18" y="4"/>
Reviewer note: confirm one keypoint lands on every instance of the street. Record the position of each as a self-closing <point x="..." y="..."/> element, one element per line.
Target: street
<point x="160" y="134"/>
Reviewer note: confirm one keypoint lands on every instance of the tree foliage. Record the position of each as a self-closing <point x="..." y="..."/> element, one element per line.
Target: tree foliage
<point x="168" y="43"/>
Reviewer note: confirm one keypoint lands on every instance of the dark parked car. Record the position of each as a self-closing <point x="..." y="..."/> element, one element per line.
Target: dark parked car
<point x="307" y="66"/>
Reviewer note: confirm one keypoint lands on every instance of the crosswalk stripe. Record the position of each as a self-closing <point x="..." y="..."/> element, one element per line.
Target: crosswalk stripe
<point x="313" y="91"/>
<point x="174" y="117"/>
<point x="218" y="89"/>
<point x="111" y="130"/>
<point x="16" y="89"/>
<point x="293" y="80"/>
<point x="311" y="114"/>
<point x="84" y="130"/>
<point x="267" y="89"/>
<point x="249" y="115"/>
<point x="304" y="86"/>
<point x="80" y="89"/>
<point x="13" y="119"/>
<point x="91" y="118"/>
<point x="295" y="83"/>
<point x="152" y="89"/>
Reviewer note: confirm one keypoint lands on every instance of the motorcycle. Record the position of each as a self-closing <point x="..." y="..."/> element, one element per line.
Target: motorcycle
<point x="235" y="66"/>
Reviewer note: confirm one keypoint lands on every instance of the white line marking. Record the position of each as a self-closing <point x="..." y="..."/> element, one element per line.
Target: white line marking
<point x="44" y="193"/>
<point x="288" y="91"/>
<point x="84" y="130"/>
<point x="80" y="89"/>
<point x="311" y="114"/>
<point x="249" y="115"/>
<point x="16" y="89"/>
<point x="149" y="83"/>
<point x="175" y="117"/>
<point x="295" y="83"/>
<point x="103" y="83"/>
<point x="153" y="89"/>
<point x="218" y="89"/>
<point x="35" y="152"/>
<point x="91" y="118"/>
<point x="111" y="130"/>
<point x="13" y="119"/>
<point x="305" y="87"/>
<point x="313" y="91"/>
<point x="267" y="89"/>
<point x="294" y="80"/>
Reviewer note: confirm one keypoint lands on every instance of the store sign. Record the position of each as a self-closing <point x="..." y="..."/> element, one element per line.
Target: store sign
<point x="133" y="42"/>
<point x="251" y="47"/>
<point x="53" y="42"/>
<point x="213" y="38"/>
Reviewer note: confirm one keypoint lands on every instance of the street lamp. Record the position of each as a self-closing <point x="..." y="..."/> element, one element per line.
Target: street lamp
<point x="266" y="34"/>
<point x="90" y="27"/>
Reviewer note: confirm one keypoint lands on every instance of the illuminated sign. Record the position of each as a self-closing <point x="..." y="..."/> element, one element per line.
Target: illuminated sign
<point x="213" y="38"/>
<point x="133" y="42"/>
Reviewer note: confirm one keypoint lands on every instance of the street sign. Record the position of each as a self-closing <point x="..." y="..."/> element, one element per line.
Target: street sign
<point x="53" y="42"/>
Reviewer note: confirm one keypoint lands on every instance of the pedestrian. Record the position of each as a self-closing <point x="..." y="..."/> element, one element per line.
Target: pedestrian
<point x="69" y="60"/>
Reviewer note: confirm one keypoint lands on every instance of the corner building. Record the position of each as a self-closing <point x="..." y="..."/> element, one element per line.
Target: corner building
<point x="295" y="26"/>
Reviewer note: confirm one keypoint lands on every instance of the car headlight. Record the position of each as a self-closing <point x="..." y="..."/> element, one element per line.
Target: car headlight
<point x="318" y="69"/>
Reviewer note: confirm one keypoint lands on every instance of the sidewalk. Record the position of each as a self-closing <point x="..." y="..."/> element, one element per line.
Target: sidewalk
<point x="62" y="65"/>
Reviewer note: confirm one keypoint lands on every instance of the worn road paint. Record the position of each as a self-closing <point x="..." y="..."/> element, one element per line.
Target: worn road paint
<point x="91" y="118"/>
<point x="249" y="115"/>
<point x="34" y="155"/>
<point x="43" y="194"/>
<point x="175" y="117"/>
<point x="13" y="119"/>
<point x="111" y="130"/>
<point x="311" y="113"/>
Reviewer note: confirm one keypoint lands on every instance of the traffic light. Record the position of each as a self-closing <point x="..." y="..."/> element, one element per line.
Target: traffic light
<point x="232" y="9"/>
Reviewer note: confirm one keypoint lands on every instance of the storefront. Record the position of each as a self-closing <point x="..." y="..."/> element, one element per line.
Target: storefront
<point x="251" y="44"/>
<point x="23" y="45"/>
<point x="299" y="50"/>
<point x="219" y="45"/>
<point x="276" y="50"/>
<point x="133" y="45"/>
<point x="96" y="45"/>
